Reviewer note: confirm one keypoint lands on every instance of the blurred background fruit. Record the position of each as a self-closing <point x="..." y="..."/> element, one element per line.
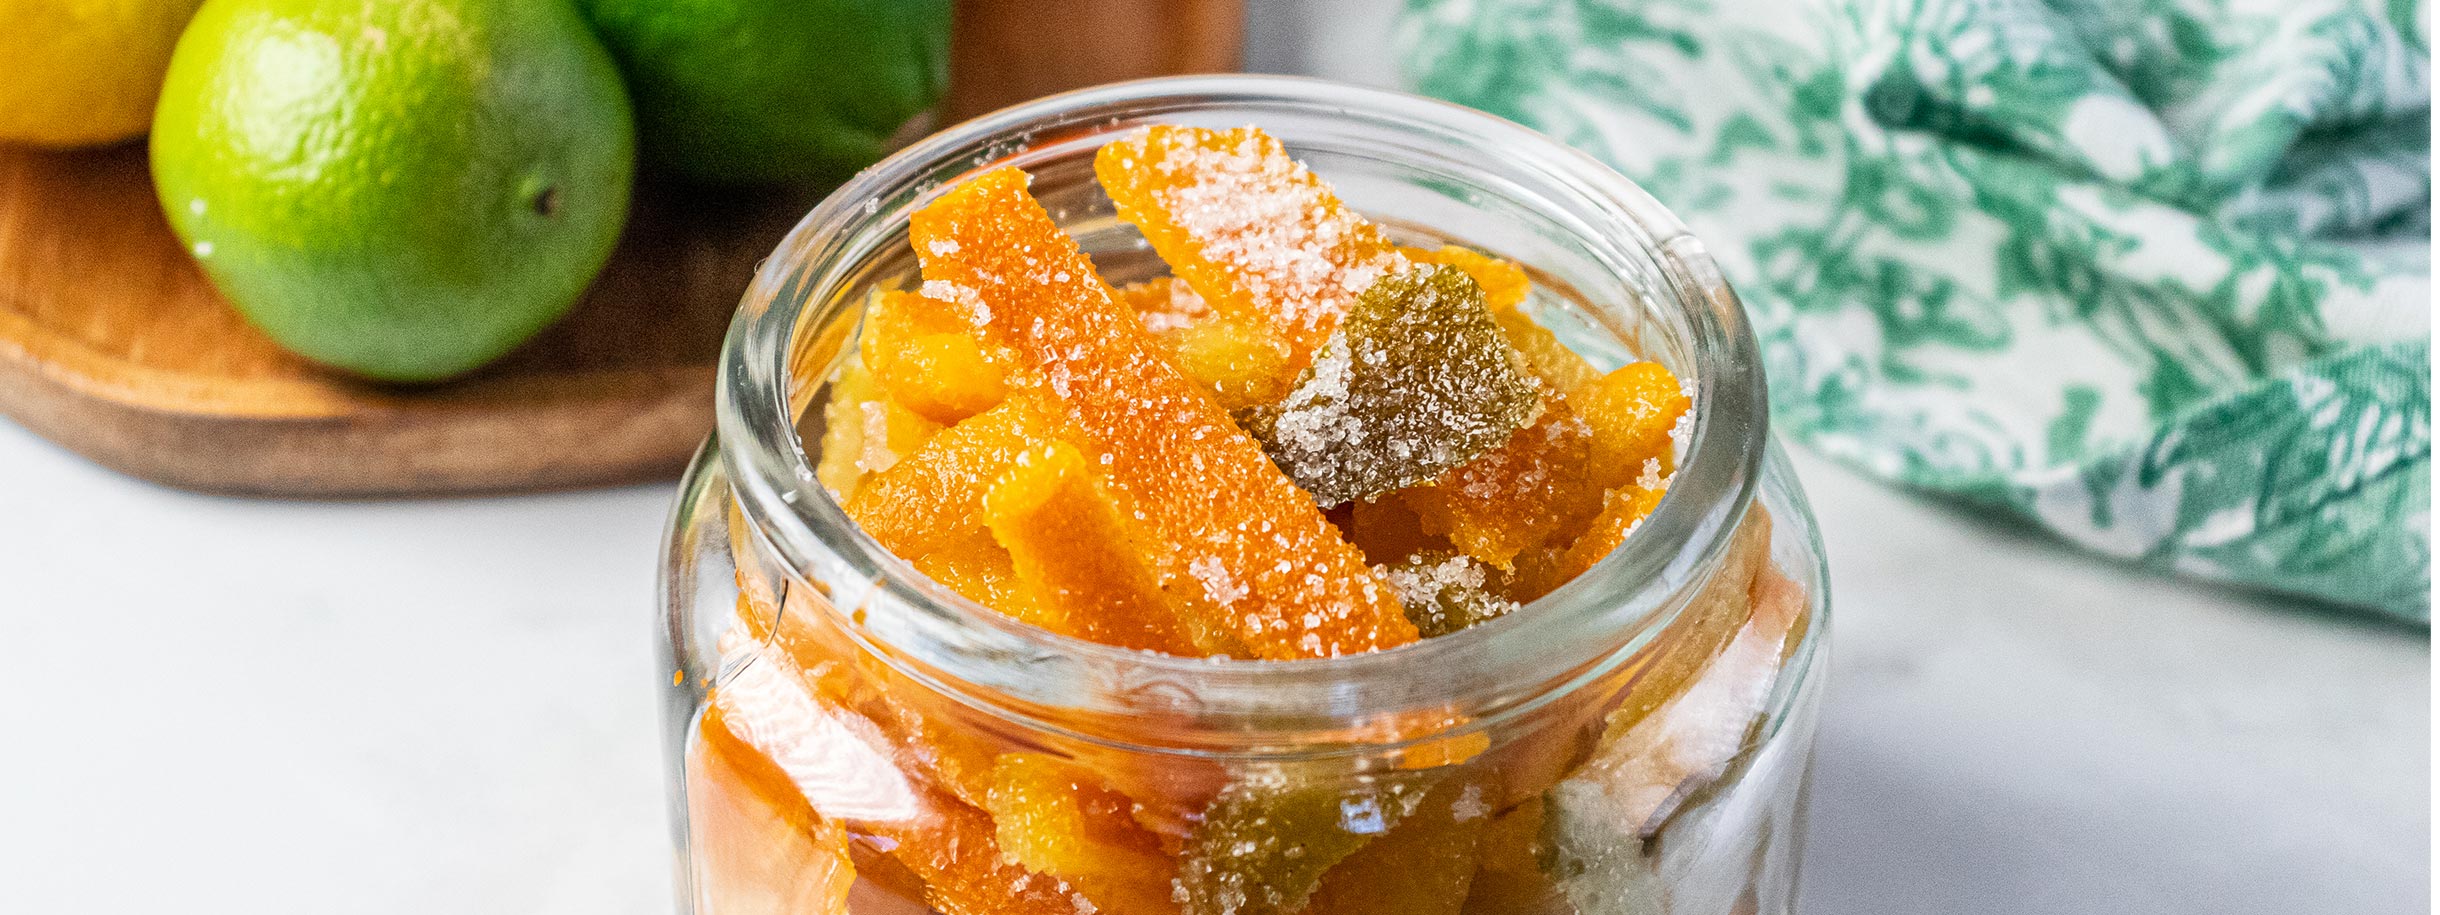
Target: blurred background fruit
<point x="403" y="191"/>
<point x="753" y="91"/>
<point x="80" y="72"/>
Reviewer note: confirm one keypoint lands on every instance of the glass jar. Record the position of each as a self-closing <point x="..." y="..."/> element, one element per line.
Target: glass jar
<point x="846" y="735"/>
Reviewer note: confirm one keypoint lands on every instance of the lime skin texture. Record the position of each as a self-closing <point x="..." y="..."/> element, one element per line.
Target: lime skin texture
<point x="401" y="190"/>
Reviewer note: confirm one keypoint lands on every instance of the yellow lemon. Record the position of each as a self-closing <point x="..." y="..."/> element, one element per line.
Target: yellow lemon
<point x="81" y="72"/>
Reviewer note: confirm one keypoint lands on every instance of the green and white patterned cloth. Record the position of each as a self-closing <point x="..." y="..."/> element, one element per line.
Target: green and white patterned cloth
<point x="2153" y="274"/>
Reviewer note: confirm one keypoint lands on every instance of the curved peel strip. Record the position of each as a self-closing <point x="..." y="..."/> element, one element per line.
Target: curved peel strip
<point x="1255" y="232"/>
<point x="1078" y="555"/>
<point x="1244" y="540"/>
<point x="935" y="495"/>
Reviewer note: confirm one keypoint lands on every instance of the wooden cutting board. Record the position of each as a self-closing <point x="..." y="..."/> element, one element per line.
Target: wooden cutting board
<point x="114" y="345"/>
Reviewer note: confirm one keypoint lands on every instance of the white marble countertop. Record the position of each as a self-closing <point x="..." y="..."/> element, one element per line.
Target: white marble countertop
<point x="221" y="705"/>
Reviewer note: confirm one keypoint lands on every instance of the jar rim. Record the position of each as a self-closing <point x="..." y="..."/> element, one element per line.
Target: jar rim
<point x="1103" y="693"/>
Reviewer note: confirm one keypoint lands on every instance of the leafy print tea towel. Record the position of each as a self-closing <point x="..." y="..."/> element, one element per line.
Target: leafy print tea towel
<point x="2154" y="274"/>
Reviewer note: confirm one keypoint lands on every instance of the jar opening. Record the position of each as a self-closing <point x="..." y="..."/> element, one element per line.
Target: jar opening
<point x="1636" y="284"/>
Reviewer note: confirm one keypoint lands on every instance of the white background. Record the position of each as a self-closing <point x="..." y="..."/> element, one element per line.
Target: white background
<point x="219" y="705"/>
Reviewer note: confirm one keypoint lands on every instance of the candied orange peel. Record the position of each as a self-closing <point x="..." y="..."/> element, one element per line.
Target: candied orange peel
<point x="1245" y="546"/>
<point x="934" y="366"/>
<point x="1088" y="569"/>
<point x="1307" y="442"/>
<point x="1079" y="456"/>
<point x="1253" y="231"/>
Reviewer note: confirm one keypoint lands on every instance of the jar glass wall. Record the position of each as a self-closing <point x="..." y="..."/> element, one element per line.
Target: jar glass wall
<point x="846" y="735"/>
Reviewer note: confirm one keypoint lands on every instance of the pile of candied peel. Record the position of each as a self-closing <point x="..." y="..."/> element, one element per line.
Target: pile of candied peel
<point x="1306" y="442"/>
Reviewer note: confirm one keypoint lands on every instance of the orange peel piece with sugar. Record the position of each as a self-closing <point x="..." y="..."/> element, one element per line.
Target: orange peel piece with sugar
<point x="1270" y="570"/>
<point x="1058" y="818"/>
<point x="1077" y="553"/>
<point x="1610" y="435"/>
<point x="935" y="496"/>
<point x="865" y="431"/>
<point x="933" y="366"/>
<point x="1518" y="496"/>
<point x="1242" y="365"/>
<point x="1422" y="866"/>
<point x="1631" y="412"/>
<point x="977" y="566"/>
<point x="845" y="770"/>
<point x="759" y="847"/>
<point x="1256" y="233"/>
<point x="1557" y="365"/>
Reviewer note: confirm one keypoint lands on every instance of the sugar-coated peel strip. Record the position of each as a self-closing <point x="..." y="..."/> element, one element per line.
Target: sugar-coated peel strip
<point x="935" y="495"/>
<point x="1078" y="555"/>
<point x="839" y="762"/>
<point x="1166" y="304"/>
<point x="1058" y="818"/>
<point x="1253" y="231"/>
<point x="935" y="367"/>
<point x="976" y="566"/>
<point x="1517" y="496"/>
<point x="1267" y="839"/>
<point x="865" y="431"/>
<point x="1241" y="365"/>
<point x="1251" y="545"/>
<point x="1631" y="412"/>
<point x="1611" y="435"/>
<point x="1558" y="366"/>
<point x="1505" y="285"/>
<point x="1622" y="509"/>
<point x="1422" y="866"/>
<point x="1417" y="381"/>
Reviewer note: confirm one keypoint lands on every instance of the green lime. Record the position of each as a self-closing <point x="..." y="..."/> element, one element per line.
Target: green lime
<point x="750" y="91"/>
<point x="401" y="190"/>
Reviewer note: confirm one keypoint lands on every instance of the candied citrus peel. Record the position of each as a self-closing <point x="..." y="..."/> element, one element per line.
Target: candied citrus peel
<point x="935" y="496"/>
<point x="1517" y="496"/>
<point x="1241" y="364"/>
<point x="932" y="365"/>
<point x="1444" y="593"/>
<point x="1631" y="412"/>
<point x="1558" y="366"/>
<point x="965" y="872"/>
<point x="865" y="431"/>
<point x="1267" y="839"/>
<point x="846" y="769"/>
<point x="1256" y="233"/>
<point x="1622" y="509"/>
<point x="1422" y="866"/>
<point x="1505" y="285"/>
<point x="1417" y="380"/>
<point x="974" y="564"/>
<point x="1242" y="542"/>
<point x="1505" y="288"/>
<point x="1056" y="817"/>
<point x="1166" y="304"/>
<point x="1086" y="569"/>
<point x="1612" y="433"/>
<point x="760" y="846"/>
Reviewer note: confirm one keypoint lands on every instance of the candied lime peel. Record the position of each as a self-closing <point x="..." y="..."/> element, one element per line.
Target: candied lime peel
<point x="1417" y="379"/>
<point x="1268" y="838"/>
<point x="1444" y="591"/>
